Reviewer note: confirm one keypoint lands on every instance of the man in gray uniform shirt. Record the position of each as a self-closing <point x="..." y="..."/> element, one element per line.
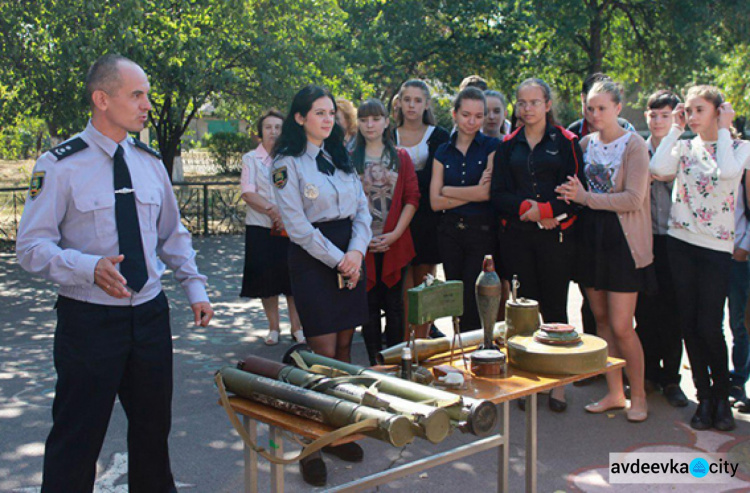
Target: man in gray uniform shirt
<point x="101" y="220"/>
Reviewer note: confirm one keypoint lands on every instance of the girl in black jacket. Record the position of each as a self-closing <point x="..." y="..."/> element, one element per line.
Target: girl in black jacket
<point x="534" y="239"/>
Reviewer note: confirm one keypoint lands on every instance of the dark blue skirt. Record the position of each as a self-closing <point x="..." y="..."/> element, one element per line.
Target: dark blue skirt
<point x="323" y="307"/>
<point x="266" y="270"/>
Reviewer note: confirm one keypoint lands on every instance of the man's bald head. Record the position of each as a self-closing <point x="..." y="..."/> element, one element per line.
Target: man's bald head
<point x="104" y="75"/>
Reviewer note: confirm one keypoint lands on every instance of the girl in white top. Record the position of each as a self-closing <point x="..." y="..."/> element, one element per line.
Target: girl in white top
<point x="266" y="273"/>
<point x="417" y="133"/>
<point x="707" y="172"/>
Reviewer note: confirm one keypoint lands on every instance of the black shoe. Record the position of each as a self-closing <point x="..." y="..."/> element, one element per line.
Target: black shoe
<point x="313" y="470"/>
<point x="349" y="452"/>
<point x="723" y="419"/>
<point x="702" y="417"/>
<point x="674" y="395"/>
<point x="556" y="405"/>
<point x="435" y="332"/>
<point x="744" y="408"/>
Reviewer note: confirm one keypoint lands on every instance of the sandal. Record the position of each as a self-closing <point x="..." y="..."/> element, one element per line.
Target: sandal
<point x="601" y="407"/>
<point x="272" y="338"/>
<point x="298" y="337"/>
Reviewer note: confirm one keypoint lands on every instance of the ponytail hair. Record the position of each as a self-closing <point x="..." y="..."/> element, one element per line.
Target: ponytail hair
<point x="713" y="95"/>
<point x="546" y="91"/>
<point x="428" y="117"/>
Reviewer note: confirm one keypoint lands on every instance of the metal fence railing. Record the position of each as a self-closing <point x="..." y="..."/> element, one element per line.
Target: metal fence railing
<point x="207" y="208"/>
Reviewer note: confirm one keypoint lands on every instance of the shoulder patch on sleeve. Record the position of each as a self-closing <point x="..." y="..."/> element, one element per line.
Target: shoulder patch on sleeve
<point x="280" y="177"/>
<point x="145" y="147"/>
<point x="68" y="148"/>
<point x="36" y="184"/>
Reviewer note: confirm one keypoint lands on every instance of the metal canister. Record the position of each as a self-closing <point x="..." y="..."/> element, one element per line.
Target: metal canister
<point x="521" y="317"/>
<point x="489" y="363"/>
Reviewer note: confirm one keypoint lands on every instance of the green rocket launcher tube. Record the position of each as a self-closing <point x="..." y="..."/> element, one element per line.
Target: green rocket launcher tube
<point x="394" y="429"/>
<point x="430" y="423"/>
<point x="480" y="416"/>
<point x="426" y="348"/>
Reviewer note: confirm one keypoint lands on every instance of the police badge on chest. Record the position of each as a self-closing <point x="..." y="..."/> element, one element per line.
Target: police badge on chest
<point x="311" y="191"/>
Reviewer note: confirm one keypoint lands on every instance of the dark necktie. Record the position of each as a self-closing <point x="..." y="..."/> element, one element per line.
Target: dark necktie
<point x="324" y="165"/>
<point x="133" y="268"/>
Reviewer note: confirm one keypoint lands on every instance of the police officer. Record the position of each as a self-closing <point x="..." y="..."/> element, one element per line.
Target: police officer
<point x="326" y="215"/>
<point x="100" y="210"/>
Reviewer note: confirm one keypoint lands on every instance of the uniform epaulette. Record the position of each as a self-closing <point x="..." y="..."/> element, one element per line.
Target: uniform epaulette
<point x="146" y="148"/>
<point x="68" y="148"/>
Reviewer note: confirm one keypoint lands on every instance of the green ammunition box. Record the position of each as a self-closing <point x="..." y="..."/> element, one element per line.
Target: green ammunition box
<point x="441" y="299"/>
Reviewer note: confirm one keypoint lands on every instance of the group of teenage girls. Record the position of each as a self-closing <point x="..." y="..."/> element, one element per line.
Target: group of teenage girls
<point x="344" y="217"/>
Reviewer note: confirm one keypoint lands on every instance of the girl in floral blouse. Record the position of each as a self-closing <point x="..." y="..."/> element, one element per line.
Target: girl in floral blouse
<point x="708" y="170"/>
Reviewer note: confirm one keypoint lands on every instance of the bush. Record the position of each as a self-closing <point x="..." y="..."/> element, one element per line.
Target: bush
<point x="227" y="148"/>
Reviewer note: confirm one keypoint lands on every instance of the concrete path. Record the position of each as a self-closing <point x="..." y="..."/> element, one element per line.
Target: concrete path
<point x="206" y="453"/>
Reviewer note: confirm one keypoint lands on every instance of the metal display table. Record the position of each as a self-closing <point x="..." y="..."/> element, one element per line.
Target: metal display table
<point x="516" y="385"/>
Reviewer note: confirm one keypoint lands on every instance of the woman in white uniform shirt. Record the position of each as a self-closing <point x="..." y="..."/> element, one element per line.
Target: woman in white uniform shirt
<point x="326" y="216"/>
<point x="266" y="273"/>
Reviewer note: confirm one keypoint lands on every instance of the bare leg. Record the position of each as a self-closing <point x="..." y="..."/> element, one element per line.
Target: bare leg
<point x="271" y="309"/>
<point x="414" y="277"/>
<point x="615" y="397"/>
<point x="324" y="345"/>
<point x="293" y="314"/>
<point x="344" y="345"/>
<point x="621" y="311"/>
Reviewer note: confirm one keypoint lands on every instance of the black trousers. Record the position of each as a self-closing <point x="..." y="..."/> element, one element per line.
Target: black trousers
<point x="701" y="280"/>
<point x="657" y="322"/>
<point x="390" y="300"/>
<point x="543" y="261"/>
<point x="463" y="243"/>
<point x="102" y="352"/>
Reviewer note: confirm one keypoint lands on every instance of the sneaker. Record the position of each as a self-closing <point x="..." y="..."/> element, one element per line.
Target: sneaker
<point x="674" y="395"/>
<point x="313" y="470"/>
<point x="435" y="332"/>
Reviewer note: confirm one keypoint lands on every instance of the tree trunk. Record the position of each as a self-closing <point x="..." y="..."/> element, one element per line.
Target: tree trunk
<point x="595" y="36"/>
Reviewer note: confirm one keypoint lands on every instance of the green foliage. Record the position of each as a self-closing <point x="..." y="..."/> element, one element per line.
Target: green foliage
<point x="23" y="139"/>
<point x="244" y="56"/>
<point x="227" y="148"/>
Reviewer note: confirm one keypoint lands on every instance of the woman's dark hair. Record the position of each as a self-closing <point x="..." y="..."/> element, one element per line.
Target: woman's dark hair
<point x="271" y="113"/>
<point x="471" y="93"/>
<point x="546" y="90"/>
<point x="592" y="79"/>
<point x="428" y="117"/>
<point x="374" y="107"/>
<point x="293" y="141"/>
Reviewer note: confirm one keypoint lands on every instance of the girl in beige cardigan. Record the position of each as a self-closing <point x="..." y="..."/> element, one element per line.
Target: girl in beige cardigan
<point x="615" y="241"/>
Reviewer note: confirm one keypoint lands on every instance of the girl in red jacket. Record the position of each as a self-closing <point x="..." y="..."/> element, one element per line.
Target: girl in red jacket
<point x="390" y="184"/>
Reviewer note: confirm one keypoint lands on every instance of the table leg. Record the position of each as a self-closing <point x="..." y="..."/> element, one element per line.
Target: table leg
<point x="504" y="452"/>
<point x="531" y="442"/>
<point x="277" y="470"/>
<point x="251" y="457"/>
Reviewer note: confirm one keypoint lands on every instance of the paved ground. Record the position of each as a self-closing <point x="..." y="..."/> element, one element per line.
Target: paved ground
<point x="206" y="453"/>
